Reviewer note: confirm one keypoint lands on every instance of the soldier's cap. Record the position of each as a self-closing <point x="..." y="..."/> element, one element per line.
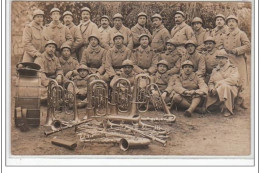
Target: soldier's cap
<point x="37" y="12"/>
<point x="55" y="9"/>
<point x="82" y="67"/>
<point x="85" y="9"/>
<point x="141" y="14"/>
<point x="67" y="13"/>
<point x="220" y="15"/>
<point x="197" y="20"/>
<point x="209" y="39"/>
<point x="143" y="35"/>
<point x="190" y="42"/>
<point x="222" y="53"/>
<point x="171" y="41"/>
<point x="180" y="12"/>
<point x="118" y="15"/>
<point x="127" y="62"/>
<point x="187" y="62"/>
<point x="51" y="42"/>
<point x="65" y="45"/>
<point x="163" y="62"/>
<point x="105" y="16"/>
<point x="93" y="35"/>
<point x="118" y="35"/>
<point x="231" y="17"/>
<point x="156" y="16"/>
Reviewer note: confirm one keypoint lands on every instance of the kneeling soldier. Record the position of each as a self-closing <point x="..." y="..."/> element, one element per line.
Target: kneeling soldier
<point x="189" y="88"/>
<point x="223" y="85"/>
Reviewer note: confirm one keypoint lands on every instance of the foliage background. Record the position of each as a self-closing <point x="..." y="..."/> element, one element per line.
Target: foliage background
<point x="21" y="14"/>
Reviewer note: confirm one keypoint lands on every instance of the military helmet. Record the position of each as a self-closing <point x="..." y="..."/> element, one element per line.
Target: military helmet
<point x="118" y="35"/>
<point x="95" y="36"/>
<point x="220" y="15"/>
<point x="105" y="16"/>
<point x="163" y="62"/>
<point x="85" y="9"/>
<point x="222" y="53"/>
<point x="156" y="16"/>
<point x="143" y="35"/>
<point x="51" y="42"/>
<point x="209" y="39"/>
<point x="127" y="62"/>
<point x="187" y="62"/>
<point x="231" y="17"/>
<point x="197" y="19"/>
<point x="141" y="14"/>
<point x="181" y="13"/>
<point x="67" y="13"/>
<point x="65" y="45"/>
<point x="190" y="42"/>
<point x="118" y="15"/>
<point x="54" y="9"/>
<point x="82" y="67"/>
<point x="171" y="41"/>
<point x="37" y="12"/>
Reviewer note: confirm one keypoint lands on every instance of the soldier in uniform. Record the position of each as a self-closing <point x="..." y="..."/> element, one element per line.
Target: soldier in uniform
<point x="160" y="34"/>
<point x="104" y="30"/>
<point x="210" y="56"/>
<point x="144" y="58"/>
<point x="33" y="39"/>
<point x="200" y="33"/>
<point x="87" y="27"/>
<point x="172" y="56"/>
<point x="120" y="28"/>
<point x="57" y="32"/>
<point x="140" y="29"/>
<point x="75" y="32"/>
<point x="219" y="32"/>
<point x="223" y="85"/>
<point x="182" y="32"/>
<point x="195" y="57"/>
<point x="94" y="56"/>
<point x="236" y="44"/>
<point x="115" y="57"/>
<point x="189" y="89"/>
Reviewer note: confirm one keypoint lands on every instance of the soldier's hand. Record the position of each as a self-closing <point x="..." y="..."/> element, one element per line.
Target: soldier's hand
<point x="213" y="92"/>
<point x="69" y="75"/>
<point x="164" y="94"/>
<point x="38" y="54"/>
<point x="59" y="79"/>
<point x="154" y="92"/>
<point x="201" y="93"/>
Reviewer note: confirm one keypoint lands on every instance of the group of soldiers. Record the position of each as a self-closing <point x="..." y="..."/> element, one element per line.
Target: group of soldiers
<point x="195" y="68"/>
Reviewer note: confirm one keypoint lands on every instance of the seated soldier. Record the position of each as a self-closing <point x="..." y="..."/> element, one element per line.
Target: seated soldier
<point x="50" y="67"/>
<point x="115" y="57"/>
<point x="223" y="85"/>
<point x="144" y="57"/>
<point x="68" y="63"/>
<point x="172" y="56"/>
<point x="189" y="89"/>
<point x="94" y="56"/>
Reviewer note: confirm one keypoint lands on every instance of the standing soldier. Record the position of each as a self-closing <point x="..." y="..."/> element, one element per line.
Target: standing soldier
<point x="87" y="27"/>
<point x="182" y="32"/>
<point x="57" y="32"/>
<point x="236" y="45"/>
<point x="105" y="31"/>
<point x="200" y="33"/>
<point x="144" y="58"/>
<point x="120" y="28"/>
<point x="139" y="28"/>
<point x="219" y="32"/>
<point x="33" y="38"/>
<point x="75" y="32"/>
<point x="160" y="34"/>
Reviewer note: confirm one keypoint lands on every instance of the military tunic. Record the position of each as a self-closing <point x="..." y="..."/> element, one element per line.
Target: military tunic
<point x="81" y="87"/>
<point x="137" y="30"/>
<point x="225" y="80"/>
<point x="77" y="38"/>
<point x="210" y="60"/>
<point x="159" y="38"/>
<point x="68" y="65"/>
<point x="201" y="35"/>
<point x="144" y="59"/>
<point x="161" y="80"/>
<point x="219" y="34"/>
<point x="130" y="77"/>
<point x="33" y="41"/>
<point x="105" y="36"/>
<point x="174" y="60"/>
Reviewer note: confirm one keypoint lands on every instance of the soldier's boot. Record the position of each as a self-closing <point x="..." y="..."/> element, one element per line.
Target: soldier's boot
<point x="195" y="102"/>
<point x="179" y="101"/>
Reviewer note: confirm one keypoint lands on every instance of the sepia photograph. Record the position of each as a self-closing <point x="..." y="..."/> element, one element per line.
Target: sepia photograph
<point x="131" y="78"/>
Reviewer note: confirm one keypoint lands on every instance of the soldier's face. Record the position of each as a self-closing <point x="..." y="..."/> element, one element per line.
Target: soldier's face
<point x="222" y="61"/>
<point x="118" y="22"/>
<point x="220" y="22"/>
<point x="67" y="19"/>
<point x="93" y="41"/>
<point x="157" y="22"/>
<point x="50" y="49"/>
<point x="196" y="26"/>
<point x="170" y="47"/>
<point x="55" y="16"/>
<point x="38" y="19"/>
<point x="190" y="48"/>
<point x="162" y="68"/>
<point x="178" y="19"/>
<point x="104" y="23"/>
<point x="142" y="20"/>
<point x="66" y="53"/>
<point x="144" y="41"/>
<point x="85" y="15"/>
<point x="83" y="73"/>
<point x="188" y="69"/>
<point x="127" y="69"/>
<point x="209" y="45"/>
<point x="118" y="41"/>
<point x="232" y="23"/>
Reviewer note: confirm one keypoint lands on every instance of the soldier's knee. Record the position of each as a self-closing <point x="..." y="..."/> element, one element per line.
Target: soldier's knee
<point x="177" y="98"/>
